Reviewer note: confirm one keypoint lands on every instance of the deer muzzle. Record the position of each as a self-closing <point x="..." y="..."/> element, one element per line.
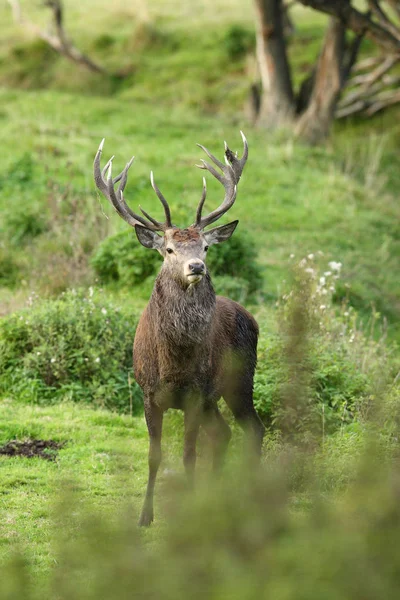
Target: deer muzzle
<point x="194" y="270"/>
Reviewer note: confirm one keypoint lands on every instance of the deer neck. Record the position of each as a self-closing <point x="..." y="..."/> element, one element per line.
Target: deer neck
<point x="182" y="315"/>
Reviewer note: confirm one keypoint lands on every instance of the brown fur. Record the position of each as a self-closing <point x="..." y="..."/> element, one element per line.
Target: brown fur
<point x="185" y="235"/>
<point x="192" y="347"/>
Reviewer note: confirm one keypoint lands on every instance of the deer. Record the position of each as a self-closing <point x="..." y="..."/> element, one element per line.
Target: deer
<point x="191" y="346"/>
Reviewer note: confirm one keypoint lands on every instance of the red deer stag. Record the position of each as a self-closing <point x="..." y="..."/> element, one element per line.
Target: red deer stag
<point x="191" y="346"/>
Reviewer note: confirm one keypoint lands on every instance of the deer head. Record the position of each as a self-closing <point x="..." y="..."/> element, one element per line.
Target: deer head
<point x="184" y="250"/>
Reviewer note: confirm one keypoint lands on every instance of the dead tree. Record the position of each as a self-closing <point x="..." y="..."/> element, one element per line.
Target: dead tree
<point x="191" y="346"/>
<point x="310" y="111"/>
<point x="58" y="38"/>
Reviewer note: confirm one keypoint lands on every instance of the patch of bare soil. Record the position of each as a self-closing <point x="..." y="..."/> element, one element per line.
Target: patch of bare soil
<point x="46" y="449"/>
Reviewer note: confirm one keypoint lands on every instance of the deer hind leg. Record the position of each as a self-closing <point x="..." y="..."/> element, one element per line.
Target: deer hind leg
<point x="154" y="418"/>
<point x="238" y="394"/>
<point x="219" y="432"/>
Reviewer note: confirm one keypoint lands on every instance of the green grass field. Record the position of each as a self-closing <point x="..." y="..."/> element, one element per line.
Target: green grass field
<point x="186" y="72"/>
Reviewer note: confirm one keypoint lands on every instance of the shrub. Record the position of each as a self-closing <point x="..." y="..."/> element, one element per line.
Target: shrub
<point x="321" y="370"/>
<point x="8" y="268"/>
<point x="236" y="258"/>
<point x="77" y="347"/>
<point x="235" y="288"/>
<point x="25" y="225"/>
<point x="20" y="173"/>
<point x="238" y="41"/>
<point x="121" y="259"/>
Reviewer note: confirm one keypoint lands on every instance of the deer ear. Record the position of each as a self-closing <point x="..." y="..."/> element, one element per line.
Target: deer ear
<point x="148" y="238"/>
<point x="220" y="234"/>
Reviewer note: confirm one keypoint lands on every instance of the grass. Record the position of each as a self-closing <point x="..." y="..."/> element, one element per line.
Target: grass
<point x="292" y="199"/>
<point x="105" y="458"/>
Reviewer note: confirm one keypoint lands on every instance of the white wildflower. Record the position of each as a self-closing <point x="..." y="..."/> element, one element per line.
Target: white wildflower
<point x="328" y="273"/>
<point x="104" y="311"/>
<point x="346" y="314"/>
<point x="91" y="292"/>
<point x="323" y="307"/>
<point x="309" y="270"/>
<point x="322" y="281"/>
<point x="335" y="266"/>
<point x="292" y="256"/>
<point x="53" y="360"/>
<point x="310" y="256"/>
<point x="38" y="353"/>
<point x="97" y="360"/>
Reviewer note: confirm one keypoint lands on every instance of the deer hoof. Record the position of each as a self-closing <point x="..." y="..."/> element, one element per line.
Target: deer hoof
<point x="146" y="518"/>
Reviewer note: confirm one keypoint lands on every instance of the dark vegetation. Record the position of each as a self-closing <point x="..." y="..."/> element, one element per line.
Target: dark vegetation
<point x="78" y="347"/>
<point x="46" y="449"/>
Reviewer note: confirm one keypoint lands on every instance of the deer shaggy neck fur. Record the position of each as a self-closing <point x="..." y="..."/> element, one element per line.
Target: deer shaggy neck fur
<point x="190" y="310"/>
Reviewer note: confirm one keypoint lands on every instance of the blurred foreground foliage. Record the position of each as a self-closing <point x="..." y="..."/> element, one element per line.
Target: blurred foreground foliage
<point x="253" y="533"/>
<point x="76" y="347"/>
<point x="324" y="368"/>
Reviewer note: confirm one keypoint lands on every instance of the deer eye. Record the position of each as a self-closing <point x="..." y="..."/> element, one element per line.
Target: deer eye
<point x="170" y="251"/>
<point x="206" y="248"/>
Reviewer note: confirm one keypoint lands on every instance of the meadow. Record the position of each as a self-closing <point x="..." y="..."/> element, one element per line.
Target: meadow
<point x="317" y="244"/>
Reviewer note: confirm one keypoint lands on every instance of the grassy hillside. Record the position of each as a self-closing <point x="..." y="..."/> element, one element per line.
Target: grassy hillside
<point x="292" y="199"/>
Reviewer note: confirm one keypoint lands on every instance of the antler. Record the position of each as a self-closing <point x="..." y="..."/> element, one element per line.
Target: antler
<point x="231" y="173"/>
<point x="116" y="197"/>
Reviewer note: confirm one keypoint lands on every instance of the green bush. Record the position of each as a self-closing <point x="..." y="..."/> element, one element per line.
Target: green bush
<point x="8" y="268"/>
<point x="235" y="288"/>
<point x="236" y="258"/>
<point x="238" y="41"/>
<point x="77" y="347"/>
<point x="338" y="386"/>
<point x="19" y="174"/>
<point x="121" y="259"/>
<point x="322" y="369"/>
<point x="21" y="226"/>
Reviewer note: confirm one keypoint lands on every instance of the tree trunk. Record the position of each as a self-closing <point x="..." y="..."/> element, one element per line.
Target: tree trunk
<point x="277" y="104"/>
<point x="315" y="122"/>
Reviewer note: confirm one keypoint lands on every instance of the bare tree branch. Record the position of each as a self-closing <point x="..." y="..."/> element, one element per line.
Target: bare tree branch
<point x="357" y="21"/>
<point x="367" y="63"/>
<point x="352" y="53"/>
<point x="370" y="105"/>
<point x="395" y="5"/>
<point x="59" y="40"/>
<point x="372" y="91"/>
<point x="382" y="17"/>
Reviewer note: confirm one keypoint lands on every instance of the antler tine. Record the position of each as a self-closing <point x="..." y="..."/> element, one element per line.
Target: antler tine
<point x="201" y="203"/>
<point x="150" y="218"/>
<point x="231" y="173"/>
<point x="118" y="201"/>
<point x="162" y="200"/>
<point x="106" y="186"/>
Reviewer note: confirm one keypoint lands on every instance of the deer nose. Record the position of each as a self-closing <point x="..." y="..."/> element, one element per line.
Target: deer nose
<point x="196" y="268"/>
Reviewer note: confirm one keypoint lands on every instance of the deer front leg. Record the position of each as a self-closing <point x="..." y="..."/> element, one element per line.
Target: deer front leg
<point x="154" y="418"/>
<point x="192" y="426"/>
